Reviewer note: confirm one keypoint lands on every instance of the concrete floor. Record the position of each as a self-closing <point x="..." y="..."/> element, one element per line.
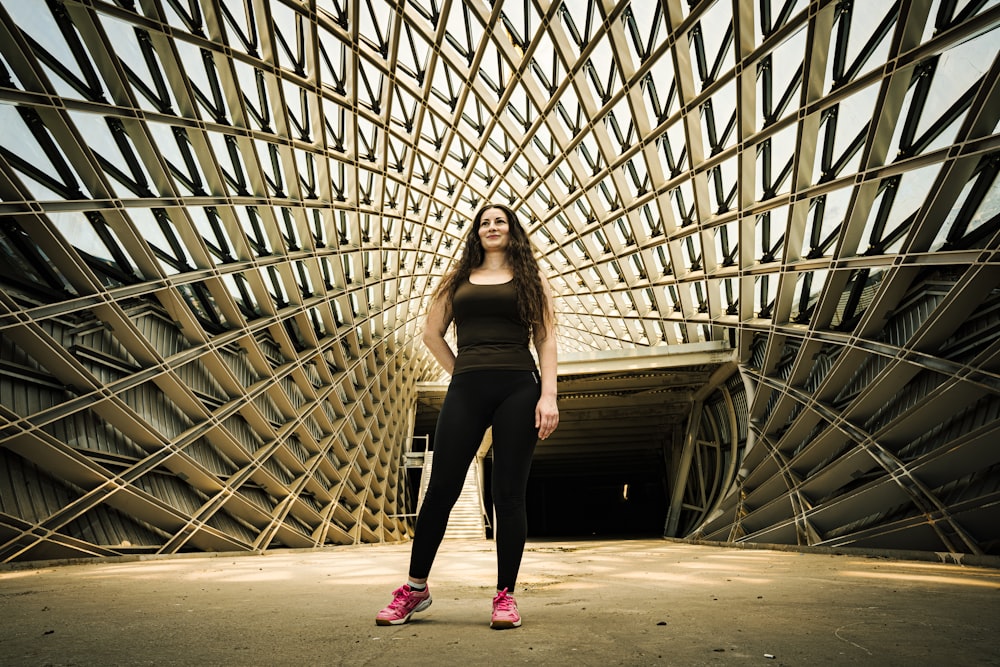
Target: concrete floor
<point x="584" y="603"/>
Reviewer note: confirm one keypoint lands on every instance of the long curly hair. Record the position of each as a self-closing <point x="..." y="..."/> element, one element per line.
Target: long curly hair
<point x="531" y="302"/>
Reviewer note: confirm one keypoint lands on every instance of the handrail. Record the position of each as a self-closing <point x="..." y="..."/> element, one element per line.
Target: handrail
<point x="482" y="505"/>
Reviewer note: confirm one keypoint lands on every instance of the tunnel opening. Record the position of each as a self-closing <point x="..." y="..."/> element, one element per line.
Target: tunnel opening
<point x="616" y="464"/>
<point x="597" y="506"/>
<point x="619" y="504"/>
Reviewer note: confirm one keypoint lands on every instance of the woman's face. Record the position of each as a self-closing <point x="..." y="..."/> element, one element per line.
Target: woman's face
<point x="494" y="230"/>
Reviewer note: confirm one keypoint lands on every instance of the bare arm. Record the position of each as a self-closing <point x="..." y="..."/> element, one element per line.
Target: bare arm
<point x="547" y="412"/>
<point x="438" y="320"/>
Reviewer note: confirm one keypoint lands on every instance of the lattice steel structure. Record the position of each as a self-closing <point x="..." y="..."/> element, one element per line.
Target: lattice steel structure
<point x="221" y="219"/>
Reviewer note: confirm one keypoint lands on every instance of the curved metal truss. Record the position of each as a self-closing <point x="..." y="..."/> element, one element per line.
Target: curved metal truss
<point x="220" y="220"/>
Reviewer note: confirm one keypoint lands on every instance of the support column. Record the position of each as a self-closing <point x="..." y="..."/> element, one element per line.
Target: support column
<point x="683" y="469"/>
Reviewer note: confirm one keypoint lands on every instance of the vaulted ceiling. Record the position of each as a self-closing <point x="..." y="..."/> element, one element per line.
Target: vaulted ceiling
<point x="220" y="221"/>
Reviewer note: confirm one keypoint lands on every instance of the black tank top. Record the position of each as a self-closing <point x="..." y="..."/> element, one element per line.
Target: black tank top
<point x="491" y="335"/>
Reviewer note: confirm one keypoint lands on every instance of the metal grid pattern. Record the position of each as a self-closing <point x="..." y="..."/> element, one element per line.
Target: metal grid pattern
<point x="221" y="219"/>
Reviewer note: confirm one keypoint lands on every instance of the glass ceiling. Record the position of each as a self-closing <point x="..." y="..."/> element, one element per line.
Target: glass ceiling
<point x="680" y="170"/>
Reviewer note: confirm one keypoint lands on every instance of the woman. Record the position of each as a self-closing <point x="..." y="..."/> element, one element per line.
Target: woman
<point x="499" y="302"/>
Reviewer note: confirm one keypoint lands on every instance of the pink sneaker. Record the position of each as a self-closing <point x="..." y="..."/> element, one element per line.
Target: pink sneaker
<point x="405" y="602"/>
<point x="505" y="612"/>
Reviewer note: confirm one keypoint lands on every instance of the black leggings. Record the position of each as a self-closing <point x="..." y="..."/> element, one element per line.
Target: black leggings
<point x="476" y="400"/>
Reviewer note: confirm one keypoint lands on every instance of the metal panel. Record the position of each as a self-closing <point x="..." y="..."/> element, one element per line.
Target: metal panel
<point x="216" y="246"/>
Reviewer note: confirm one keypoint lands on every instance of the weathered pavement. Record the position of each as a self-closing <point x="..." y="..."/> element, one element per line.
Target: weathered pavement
<point x="640" y="602"/>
